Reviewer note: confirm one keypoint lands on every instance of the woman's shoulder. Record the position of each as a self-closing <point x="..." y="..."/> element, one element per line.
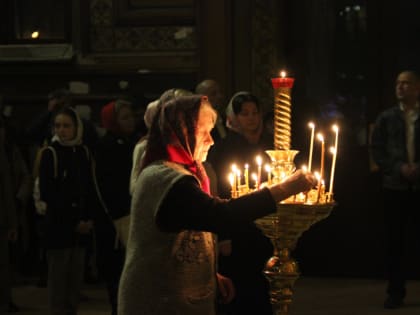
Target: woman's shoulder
<point x="160" y="168"/>
<point x="162" y="173"/>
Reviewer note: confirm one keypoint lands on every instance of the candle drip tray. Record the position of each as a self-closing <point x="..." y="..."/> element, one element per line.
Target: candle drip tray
<point x="292" y="219"/>
<point x="284" y="227"/>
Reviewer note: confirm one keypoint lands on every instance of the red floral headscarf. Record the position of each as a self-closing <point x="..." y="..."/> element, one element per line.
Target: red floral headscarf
<point x="172" y="135"/>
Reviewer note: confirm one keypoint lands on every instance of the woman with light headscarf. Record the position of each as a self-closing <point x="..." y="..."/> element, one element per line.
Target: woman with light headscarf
<point x="66" y="184"/>
<point x="246" y="140"/>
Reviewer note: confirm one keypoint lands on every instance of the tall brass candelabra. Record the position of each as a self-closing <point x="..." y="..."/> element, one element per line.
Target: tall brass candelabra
<point x="293" y="216"/>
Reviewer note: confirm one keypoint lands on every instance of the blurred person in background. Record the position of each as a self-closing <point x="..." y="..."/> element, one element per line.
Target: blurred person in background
<point x="241" y="146"/>
<point x="114" y="156"/>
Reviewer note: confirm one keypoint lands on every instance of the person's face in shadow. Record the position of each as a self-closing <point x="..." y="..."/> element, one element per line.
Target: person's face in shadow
<point x="249" y="118"/>
<point x="125" y="120"/>
<point x="64" y="127"/>
<point x="407" y="87"/>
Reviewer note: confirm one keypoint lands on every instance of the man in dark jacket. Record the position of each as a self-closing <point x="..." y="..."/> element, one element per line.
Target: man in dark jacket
<point x="395" y="149"/>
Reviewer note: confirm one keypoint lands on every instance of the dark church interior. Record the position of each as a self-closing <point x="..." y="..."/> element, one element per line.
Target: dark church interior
<point x="343" y="54"/>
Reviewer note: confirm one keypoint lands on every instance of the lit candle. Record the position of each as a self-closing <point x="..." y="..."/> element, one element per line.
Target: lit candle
<point x="322" y="188"/>
<point x="255" y="178"/>
<point x="321" y="138"/>
<point x="232" y="184"/>
<point x="238" y="175"/>
<point x="282" y="176"/>
<point x="246" y="174"/>
<point x="259" y="163"/>
<point x="282" y="81"/>
<point x="304" y="170"/>
<point x="234" y="179"/>
<point x="334" y="158"/>
<point x="318" y="179"/>
<point x="311" y="146"/>
<point x="268" y="170"/>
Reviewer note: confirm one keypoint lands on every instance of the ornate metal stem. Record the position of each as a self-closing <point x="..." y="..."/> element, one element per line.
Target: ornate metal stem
<point x="293" y="217"/>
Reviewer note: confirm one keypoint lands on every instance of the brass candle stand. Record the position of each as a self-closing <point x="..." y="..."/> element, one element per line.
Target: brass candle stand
<point x="294" y="215"/>
<point x="284" y="229"/>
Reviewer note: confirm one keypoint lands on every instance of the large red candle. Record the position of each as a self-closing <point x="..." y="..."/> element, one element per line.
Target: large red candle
<point x="282" y="81"/>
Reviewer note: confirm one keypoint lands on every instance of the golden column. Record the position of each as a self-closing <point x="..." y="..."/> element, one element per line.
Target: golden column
<point x="282" y="111"/>
<point x="292" y="217"/>
<point x="282" y="158"/>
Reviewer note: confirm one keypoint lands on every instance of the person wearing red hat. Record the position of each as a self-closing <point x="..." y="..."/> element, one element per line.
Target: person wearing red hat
<point x="113" y="168"/>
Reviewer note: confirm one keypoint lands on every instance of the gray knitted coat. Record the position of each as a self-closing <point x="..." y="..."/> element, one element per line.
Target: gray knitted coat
<point x="165" y="273"/>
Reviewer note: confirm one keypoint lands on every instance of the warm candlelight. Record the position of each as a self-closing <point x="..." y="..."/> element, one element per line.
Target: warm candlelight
<point x="311" y="146"/>
<point x="334" y="158"/>
<point x="255" y="178"/>
<point x="232" y="183"/>
<point x="246" y="174"/>
<point x="259" y="163"/>
<point x="282" y="81"/>
<point x="321" y="138"/>
<point x="268" y="170"/>
<point x="234" y="168"/>
<point x="238" y="175"/>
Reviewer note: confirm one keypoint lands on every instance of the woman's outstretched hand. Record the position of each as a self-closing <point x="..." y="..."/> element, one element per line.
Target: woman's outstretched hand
<point x="299" y="181"/>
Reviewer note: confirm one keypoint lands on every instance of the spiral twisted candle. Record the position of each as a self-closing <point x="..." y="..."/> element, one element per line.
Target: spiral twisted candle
<point x="282" y="112"/>
<point x="282" y="118"/>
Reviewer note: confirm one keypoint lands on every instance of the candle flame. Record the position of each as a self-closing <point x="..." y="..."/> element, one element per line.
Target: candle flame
<point x="332" y="150"/>
<point x="320" y="137"/>
<point x="311" y="125"/>
<point x="304" y="168"/>
<point x="335" y="128"/>
<point x="259" y="160"/>
<point x="267" y="168"/>
<point x="231" y="180"/>
<point x="283" y="74"/>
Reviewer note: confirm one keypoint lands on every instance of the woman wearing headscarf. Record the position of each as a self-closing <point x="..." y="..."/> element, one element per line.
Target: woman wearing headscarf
<point x="241" y="146"/>
<point x="66" y="184"/>
<point x="151" y="110"/>
<point x="170" y="266"/>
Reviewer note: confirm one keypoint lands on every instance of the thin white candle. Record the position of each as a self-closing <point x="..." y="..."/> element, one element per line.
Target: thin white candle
<point x="259" y="163"/>
<point x="255" y="178"/>
<point x="334" y="158"/>
<point x="238" y="175"/>
<point x="234" y="168"/>
<point x="268" y="170"/>
<point x="332" y="150"/>
<point x="321" y="138"/>
<point x="232" y="182"/>
<point x="311" y="146"/>
<point x="246" y="175"/>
